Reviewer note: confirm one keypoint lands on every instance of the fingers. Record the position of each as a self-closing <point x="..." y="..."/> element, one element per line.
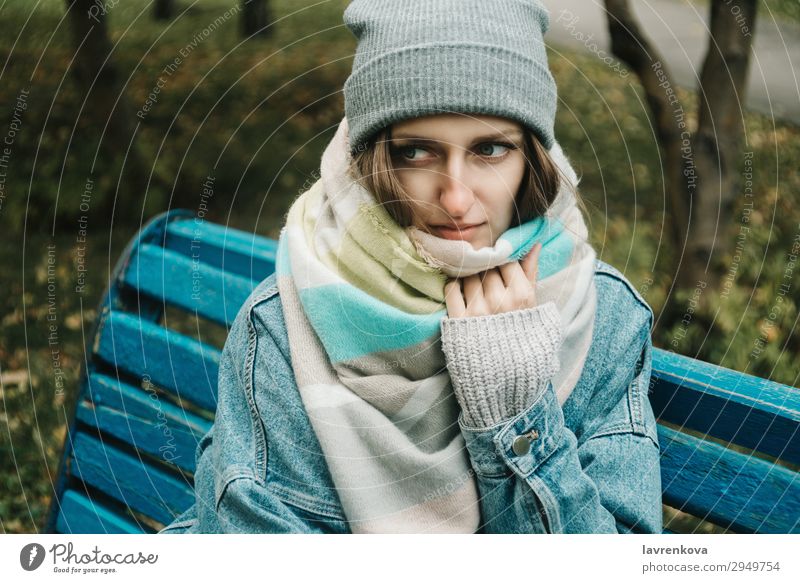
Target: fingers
<point x="509" y="287"/>
<point x="530" y="263"/>
<point x="515" y="279"/>
<point x="520" y="278"/>
<point x="497" y="297"/>
<point x="470" y="301"/>
<point x="454" y="300"/>
<point x="473" y="294"/>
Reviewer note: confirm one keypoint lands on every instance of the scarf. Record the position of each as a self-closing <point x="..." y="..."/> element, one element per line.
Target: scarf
<point x="363" y="299"/>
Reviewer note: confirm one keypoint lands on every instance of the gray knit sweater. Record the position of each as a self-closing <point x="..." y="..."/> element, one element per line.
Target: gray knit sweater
<point x="500" y="364"/>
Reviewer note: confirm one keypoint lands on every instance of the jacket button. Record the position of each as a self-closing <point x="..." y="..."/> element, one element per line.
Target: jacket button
<point x="521" y="445"/>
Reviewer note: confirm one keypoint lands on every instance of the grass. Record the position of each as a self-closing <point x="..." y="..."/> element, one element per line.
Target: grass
<point x="256" y="116"/>
<point x="608" y="132"/>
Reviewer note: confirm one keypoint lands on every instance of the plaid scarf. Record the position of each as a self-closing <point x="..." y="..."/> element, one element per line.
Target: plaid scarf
<point x="363" y="299"/>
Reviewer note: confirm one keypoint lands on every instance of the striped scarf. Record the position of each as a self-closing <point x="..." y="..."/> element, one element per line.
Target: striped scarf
<point x="363" y="299"/>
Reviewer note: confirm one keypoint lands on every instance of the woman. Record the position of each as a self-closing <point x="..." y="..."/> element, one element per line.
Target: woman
<point x="439" y="349"/>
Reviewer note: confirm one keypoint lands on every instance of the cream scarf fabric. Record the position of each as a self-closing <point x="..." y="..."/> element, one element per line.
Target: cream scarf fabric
<point x="363" y="300"/>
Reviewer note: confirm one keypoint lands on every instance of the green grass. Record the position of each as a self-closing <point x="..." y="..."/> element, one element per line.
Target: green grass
<point x="257" y="116"/>
<point x="605" y="130"/>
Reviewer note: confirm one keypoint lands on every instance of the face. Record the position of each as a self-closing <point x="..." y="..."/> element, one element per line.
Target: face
<point x="462" y="174"/>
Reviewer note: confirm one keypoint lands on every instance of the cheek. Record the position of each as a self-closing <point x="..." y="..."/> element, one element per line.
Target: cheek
<point x="416" y="193"/>
<point x="418" y="189"/>
<point x="506" y="177"/>
<point x="409" y="182"/>
<point x="517" y="174"/>
<point x="503" y="212"/>
<point x="506" y="190"/>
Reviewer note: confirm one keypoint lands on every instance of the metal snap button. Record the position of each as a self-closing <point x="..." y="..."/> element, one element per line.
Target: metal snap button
<point x="521" y="445"/>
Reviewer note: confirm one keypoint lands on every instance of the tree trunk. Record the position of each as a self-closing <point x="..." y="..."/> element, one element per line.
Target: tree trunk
<point x="112" y="118"/>
<point x="87" y="22"/>
<point x="163" y="9"/>
<point x="255" y="18"/>
<point x="701" y="170"/>
<point x="630" y="45"/>
<point x="717" y="141"/>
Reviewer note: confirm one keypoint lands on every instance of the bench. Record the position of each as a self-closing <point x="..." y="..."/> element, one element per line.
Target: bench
<point x="730" y="445"/>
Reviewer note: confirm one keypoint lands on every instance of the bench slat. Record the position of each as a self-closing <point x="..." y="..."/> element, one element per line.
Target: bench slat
<point x="134" y="482"/>
<point x="111" y="392"/>
<point x="172" y="361"/>
<point x="726" y="487"/>
<point x="729" y="405"/>
<point x="169" y="276"/>
<point x="235" y="251"/>
<point x="173" y="444"/>
<point x="79" y="515"/>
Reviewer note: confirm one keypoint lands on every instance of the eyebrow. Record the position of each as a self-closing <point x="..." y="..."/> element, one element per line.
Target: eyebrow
<point x="512" y="133"/>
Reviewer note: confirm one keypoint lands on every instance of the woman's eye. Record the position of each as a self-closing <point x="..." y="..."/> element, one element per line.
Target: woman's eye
<point x="491" y="150"/>
<point x="413" y="153"/>
<point x="410" y="153"/>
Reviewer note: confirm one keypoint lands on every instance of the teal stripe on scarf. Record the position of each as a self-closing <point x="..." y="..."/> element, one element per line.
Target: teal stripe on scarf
<point x="350" y="323"/>
<point x="557" y="244"/>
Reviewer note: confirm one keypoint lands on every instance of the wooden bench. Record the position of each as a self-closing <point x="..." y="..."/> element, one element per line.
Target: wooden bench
<point x="147" y="396"/>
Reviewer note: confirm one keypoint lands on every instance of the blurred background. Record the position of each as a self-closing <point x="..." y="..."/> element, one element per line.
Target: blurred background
<point x="680" y="116"/>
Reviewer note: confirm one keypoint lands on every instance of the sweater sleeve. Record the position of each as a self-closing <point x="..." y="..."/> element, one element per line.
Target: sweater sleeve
<point x="534" y="473"/>
<point x="500" y="364"/>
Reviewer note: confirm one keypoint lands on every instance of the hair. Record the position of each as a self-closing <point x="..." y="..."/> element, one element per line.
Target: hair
<point x="372" y="166"/>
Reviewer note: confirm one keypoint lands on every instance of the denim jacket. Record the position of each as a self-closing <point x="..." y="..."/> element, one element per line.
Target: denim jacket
<point x="594" y="467"/>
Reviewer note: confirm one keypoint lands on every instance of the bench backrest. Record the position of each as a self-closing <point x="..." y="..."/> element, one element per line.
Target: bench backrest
<point x="148" y="394"/>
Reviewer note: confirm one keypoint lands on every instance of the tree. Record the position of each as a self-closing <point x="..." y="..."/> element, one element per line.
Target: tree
<point x="163" y="9"/>
<point x="112" y="120"/>
<point x="255" y="18"/>
<point x="701" y="167"/>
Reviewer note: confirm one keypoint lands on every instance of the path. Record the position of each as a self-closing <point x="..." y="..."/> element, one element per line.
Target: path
<point x="679" y="30"/>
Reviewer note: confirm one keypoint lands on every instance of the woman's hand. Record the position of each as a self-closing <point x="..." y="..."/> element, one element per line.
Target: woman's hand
<point x="502" y="289"/>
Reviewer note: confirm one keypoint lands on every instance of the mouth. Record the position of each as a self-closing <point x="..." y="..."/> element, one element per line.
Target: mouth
<point x="455" y="233"/>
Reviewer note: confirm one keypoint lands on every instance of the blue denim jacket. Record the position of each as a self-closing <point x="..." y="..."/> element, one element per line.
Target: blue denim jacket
<point x="594" y="467"/>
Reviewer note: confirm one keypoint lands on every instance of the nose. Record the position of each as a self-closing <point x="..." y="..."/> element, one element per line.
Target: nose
<point x="455" y="195"/>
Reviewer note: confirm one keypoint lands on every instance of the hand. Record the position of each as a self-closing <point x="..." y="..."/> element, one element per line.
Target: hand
<point x="501" y="289"/>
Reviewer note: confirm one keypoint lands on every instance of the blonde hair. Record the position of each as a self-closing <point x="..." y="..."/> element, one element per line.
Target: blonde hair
<point x="372" y="166"/>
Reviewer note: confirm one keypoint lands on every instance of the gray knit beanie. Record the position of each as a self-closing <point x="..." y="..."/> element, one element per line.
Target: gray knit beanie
<point x="424" y="57"/>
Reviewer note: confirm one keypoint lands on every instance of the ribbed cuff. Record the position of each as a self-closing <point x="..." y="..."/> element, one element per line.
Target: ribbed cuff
<point x="499" y="364"/>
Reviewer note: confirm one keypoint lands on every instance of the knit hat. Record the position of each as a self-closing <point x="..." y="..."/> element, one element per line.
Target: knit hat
<point x="425" y="57"/>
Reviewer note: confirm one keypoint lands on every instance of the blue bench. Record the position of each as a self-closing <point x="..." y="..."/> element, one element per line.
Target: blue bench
<point x="147" y="396"/>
